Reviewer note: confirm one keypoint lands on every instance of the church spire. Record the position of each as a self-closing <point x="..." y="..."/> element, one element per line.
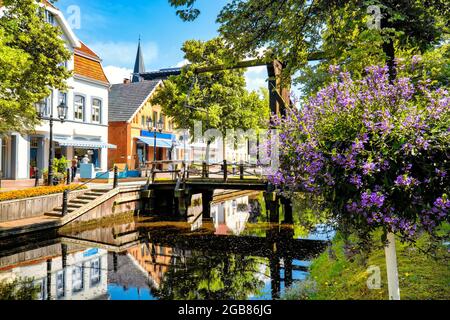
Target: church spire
<point x="139" y="66"/>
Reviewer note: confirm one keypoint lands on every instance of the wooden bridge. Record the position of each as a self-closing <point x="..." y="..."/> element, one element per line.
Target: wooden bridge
<point x="223" y="175"/>
<point x="173" y="187"/>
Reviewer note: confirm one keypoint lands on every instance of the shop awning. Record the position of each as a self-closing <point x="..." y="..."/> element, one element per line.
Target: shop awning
<point x="160" y="143"/>
<point x="84" y="144"/>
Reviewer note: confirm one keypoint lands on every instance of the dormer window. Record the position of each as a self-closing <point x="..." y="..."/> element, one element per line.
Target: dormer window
<point x="49" y="17"/>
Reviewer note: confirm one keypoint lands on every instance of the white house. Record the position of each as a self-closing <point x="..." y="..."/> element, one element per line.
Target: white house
<point x="84" y="277"/>
<point x="85" y="129"/>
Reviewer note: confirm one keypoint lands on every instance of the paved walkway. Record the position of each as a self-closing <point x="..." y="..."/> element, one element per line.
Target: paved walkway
<point x="29" y="221"/>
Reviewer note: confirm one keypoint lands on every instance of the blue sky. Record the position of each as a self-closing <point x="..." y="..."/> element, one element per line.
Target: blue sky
<point x="112" y="29"/>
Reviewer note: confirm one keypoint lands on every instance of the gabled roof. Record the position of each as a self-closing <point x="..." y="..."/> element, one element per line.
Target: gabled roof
<point x="125" y="100"/>
<point x="62" y="22"/>
<point x="88" y="65"/>
<point x="85" y="50"/>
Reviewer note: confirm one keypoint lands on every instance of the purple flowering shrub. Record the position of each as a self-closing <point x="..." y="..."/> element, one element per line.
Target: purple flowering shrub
<point x="377" y="152"/>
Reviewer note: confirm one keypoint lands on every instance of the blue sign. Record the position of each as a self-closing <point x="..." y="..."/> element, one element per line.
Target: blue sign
<point x="90" y="252"/>
<point x="168" y="136"/>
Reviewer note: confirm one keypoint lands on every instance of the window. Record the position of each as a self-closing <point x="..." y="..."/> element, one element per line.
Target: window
<point x="48" y="104"/>
<point x="163" y="121"/>
<point x="62" y="98"/>
<point x="49" y="17"/>
<point x="143" y="121"/>
<point x="95" y="272"/>
<point x="96" y="110"/>
<point x="78" y="108"/>
<point x="77" y="278"/>
<point x="41" y="288"/>
<point x="60" y="284"/>
<point x="155" y="117"/>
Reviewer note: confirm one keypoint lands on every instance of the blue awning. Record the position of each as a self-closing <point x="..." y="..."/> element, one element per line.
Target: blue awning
<point x="160" y="143"/>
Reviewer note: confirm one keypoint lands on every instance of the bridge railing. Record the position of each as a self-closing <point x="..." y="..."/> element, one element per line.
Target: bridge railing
<point x="201" y="169"/>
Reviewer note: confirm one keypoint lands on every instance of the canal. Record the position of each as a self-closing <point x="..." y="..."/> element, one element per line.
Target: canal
<point x="235" y="253"/>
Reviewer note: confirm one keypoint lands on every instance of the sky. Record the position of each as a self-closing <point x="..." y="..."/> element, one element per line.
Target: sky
<point x="112" y="29"/>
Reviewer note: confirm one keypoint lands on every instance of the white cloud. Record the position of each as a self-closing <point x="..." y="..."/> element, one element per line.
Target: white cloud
<point x="123" y="54"/>
<point x="182" y="63"/>
<point x="256" y="78"/>
<point x="117" y="74"/>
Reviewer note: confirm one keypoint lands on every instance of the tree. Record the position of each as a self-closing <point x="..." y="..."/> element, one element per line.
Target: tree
<point x="292" y="29"/>
<point x="376" y="152"/>
<point x="220" y="276"/>
<point x="218" y="99"/>
<point x="32" y="57"/>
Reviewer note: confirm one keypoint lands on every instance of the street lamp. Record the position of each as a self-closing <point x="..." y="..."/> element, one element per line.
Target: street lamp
<point x="62" y="114"/>
<point x="154" y="126"/>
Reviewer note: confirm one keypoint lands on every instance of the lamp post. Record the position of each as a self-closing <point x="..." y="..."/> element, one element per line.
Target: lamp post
<point x="62" y="114"/>
<point x="154" y="126"/>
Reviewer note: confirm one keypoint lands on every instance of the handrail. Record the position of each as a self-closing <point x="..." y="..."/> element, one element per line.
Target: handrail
<point x="67" y="191"/>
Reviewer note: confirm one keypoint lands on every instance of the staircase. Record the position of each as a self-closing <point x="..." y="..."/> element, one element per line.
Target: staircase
<point x="78" y="202"/>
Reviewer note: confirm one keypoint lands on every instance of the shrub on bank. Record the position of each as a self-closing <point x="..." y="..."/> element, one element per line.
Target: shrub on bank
<point x="376" y="152"/>
<point x="36" y="192"/>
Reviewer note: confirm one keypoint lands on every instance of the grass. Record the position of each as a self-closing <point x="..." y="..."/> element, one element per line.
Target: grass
<point x="421" y="276"/>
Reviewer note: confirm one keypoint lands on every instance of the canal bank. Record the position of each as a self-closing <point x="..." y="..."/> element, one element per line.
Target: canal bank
<point x="237" y="249"/>
<point x="423" y="274"/>
<point x="84" y="205"/>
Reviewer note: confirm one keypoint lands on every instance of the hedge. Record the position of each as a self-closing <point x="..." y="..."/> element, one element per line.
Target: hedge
<point x="36" y="192"/>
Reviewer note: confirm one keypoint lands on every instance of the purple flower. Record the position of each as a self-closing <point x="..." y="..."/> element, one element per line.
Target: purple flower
<point x="355" y="179"/>
<point x="368" y="168"/>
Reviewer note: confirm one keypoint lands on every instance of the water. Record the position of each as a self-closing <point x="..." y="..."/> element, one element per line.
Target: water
<point x="233" y="254"/>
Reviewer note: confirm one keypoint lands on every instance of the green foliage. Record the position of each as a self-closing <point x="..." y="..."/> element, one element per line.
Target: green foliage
<point x="60" y="165"/>
<point x="291" y="29"/>
<point x="218" y="99"/>
<point x="18" y="289"/>
<point x="189" y="13"/>
<point x="421" y="275"/>
<point x="218" y="277"/>
<point x="32" y="54"/>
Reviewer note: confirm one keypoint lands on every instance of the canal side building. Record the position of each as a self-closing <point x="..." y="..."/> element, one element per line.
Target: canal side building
<point x="84" y="131"/>
<point x="129" y="112"/>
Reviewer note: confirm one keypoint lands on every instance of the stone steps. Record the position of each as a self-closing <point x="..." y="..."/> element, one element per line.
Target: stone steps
<point x="79" y="202"/>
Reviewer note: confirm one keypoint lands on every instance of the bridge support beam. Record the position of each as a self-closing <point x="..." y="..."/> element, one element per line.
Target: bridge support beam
<point x="207" y="198"/>
<point x="272" y="206"/>
<point x="183" y="201"/>
<point x="287" y="210"/>
<point x="287" y="272"/>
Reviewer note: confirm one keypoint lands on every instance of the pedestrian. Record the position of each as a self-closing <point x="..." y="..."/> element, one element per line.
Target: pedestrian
<point x="85" y="159"/>
<point x="74" y="167"/>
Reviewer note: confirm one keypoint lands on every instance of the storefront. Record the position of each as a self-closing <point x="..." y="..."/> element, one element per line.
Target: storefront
<point x="94" y="149"/>
<point x="165" y="147"/>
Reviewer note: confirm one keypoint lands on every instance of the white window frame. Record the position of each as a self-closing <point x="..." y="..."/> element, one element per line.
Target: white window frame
<point x="95" y="108"/>
<point x="76" y="107"/>
<point x="78" y="278"/>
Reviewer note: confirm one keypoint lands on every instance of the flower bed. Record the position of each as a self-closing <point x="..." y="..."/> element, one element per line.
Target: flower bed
<point x="36" y="192"/>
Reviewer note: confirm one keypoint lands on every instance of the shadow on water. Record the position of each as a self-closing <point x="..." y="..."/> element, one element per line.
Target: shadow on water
<point x="234" y="253"/>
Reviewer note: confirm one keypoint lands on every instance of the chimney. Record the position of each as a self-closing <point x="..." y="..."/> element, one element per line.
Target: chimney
<point x="126" y="81"/>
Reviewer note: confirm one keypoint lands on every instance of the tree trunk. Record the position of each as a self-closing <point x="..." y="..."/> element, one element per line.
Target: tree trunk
<point x="389" y="50"/>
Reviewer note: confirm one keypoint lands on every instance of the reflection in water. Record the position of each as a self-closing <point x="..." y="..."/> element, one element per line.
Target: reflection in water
<point x="214" y="257"/>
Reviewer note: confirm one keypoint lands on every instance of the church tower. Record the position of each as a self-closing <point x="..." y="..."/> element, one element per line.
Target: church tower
<point x="139" y="66"/>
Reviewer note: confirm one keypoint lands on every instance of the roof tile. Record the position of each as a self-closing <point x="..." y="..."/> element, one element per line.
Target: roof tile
<point x="126" y="99"/>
